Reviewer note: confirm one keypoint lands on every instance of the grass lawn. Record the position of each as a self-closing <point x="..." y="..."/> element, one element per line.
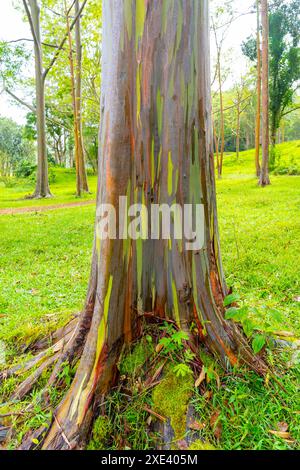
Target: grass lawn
<point x="44" y="269"/>
<point x="63" y="189"/>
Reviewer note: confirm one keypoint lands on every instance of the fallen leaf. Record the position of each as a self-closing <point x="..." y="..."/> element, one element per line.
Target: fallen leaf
<point x="208" y="395"/>
<point x="158" y="348"/>
<point x="182" y="445"/>
<point x="216" y="424"/>
<point x="286" y="334"/>
<point x="201" y="378"/>
<point x="283" y="434"/>
<point x="196" y="426"/>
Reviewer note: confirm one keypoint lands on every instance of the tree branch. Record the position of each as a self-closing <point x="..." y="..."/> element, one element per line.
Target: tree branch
<point x="54" y="46"/>
<point x="60" y="47"/>
<point x="33" y="32"/>
<point x="19" y="100"/>
<point x="33" y="109"/>
<point x="290" y="111"/>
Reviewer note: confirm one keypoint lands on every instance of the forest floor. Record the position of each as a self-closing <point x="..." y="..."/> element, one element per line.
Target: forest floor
<point x="44" y="269"/>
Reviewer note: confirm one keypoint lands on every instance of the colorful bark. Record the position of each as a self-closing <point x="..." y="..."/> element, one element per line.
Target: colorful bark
<point x="155" y="147"/>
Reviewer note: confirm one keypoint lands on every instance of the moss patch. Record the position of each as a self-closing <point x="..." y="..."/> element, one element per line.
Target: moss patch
<point x="171" y="398"/>
<point x="101" y="433"/>
<point x="135" y="359"/>
<point x="200" y="445"/>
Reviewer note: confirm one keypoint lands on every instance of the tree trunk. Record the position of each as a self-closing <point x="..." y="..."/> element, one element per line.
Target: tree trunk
<point x="222" y="124"/>
<point x="264" y="176"/>
<point x="42" y="182"/>
<point x="258" y="107"/>
<point x="82" y="168"/>
<point x="238" y="130"/>
<point x="155" y="147"/>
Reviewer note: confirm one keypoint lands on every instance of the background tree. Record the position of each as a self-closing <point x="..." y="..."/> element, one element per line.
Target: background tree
<point x="258" y="92"/>
<point x="264" y="174"/>
<point x="221" y="22"/>
<point x="284" y="61"/>
<point x="284" y="53"/>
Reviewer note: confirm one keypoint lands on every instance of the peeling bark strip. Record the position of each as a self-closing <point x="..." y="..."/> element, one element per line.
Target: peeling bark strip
<point x="155" y="147"/>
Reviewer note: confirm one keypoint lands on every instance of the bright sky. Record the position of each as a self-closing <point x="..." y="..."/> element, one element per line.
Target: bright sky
<point x="12" y="27"/>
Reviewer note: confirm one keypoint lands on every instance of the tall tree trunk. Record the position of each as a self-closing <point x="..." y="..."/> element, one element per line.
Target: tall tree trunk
<point x="155" y="147"/>
<point x="222" y="124"/>
<point x="42" y="182"/>
<point x="258" y="93"/>
<point x="238" y="130"/>
<point x="78" y="91"/>
<point x="264" y="175"/>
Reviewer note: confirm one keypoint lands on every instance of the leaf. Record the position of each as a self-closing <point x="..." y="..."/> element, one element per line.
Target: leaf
<point x="182" y="445"/>
<point x="180" y="336"/>
<point x="182" y="370"/>
<point x="282" y="434"/>
<point x="248" y="327"/>
<point x="35" y="441"/>
<point x="237" y="314"/>
<point x="230" y="299"/>
<point x="258" y="343"/>
<point x="285" y="334"/>
<point x="216" y="425"/>
<point x="196" y="426"/>
<point x="201" y="378"/>
<point x="231" y="313"/>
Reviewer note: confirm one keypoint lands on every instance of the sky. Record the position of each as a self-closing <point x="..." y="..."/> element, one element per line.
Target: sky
<point x="12" y="27"/>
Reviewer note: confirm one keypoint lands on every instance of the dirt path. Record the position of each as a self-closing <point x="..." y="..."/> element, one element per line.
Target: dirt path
<point x="23" y="210"/>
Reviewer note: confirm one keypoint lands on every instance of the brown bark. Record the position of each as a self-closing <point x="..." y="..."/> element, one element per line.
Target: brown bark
<point x="258" y="92"/>
<point x="264" y="176"/>
<point x="222" y="123"/>
<point x="155" y="147"/>
<point x="81" y="178"/>
<point x="42" y="183"/>
<point x="78" y="91"/>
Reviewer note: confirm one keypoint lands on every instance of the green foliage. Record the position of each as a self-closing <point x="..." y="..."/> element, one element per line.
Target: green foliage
<point x="15" y="150"/>
<point x="25" y="169"/>
<point x="258" y="343"/>
<point x="174" y="342"/>
<point x="231" y="298"/>
<point x="284" y="51"/>
<point x="284" y="21"/>
<point x="182" y="370"/>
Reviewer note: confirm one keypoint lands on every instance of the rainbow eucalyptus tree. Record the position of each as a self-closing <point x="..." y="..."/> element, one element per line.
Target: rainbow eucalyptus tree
<point x="155" y="147"/>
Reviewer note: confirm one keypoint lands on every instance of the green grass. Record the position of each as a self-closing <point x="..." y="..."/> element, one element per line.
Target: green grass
<point x="44" y="267"/>
<point x="287" y="156"/>
<point x="63" y="189"/>
<point x="44" y="270"/>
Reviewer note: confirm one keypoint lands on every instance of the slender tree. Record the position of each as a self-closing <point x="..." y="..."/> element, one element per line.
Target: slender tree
<point x="258" y="92"/>
<point x="32" y="9"/>
<point x="264" y="175"/>
<point x="42" y="182"/>
<point x="155" y="147"/>
<point x="75" y="69"/>
<point x="78" y="92"/>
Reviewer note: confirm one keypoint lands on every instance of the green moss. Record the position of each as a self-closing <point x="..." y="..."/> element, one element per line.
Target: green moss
<point x="171" y="398"/>
<point x="135" y="358"/>
<point x="200" y="445"/>
<point x="102" y="431"/>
